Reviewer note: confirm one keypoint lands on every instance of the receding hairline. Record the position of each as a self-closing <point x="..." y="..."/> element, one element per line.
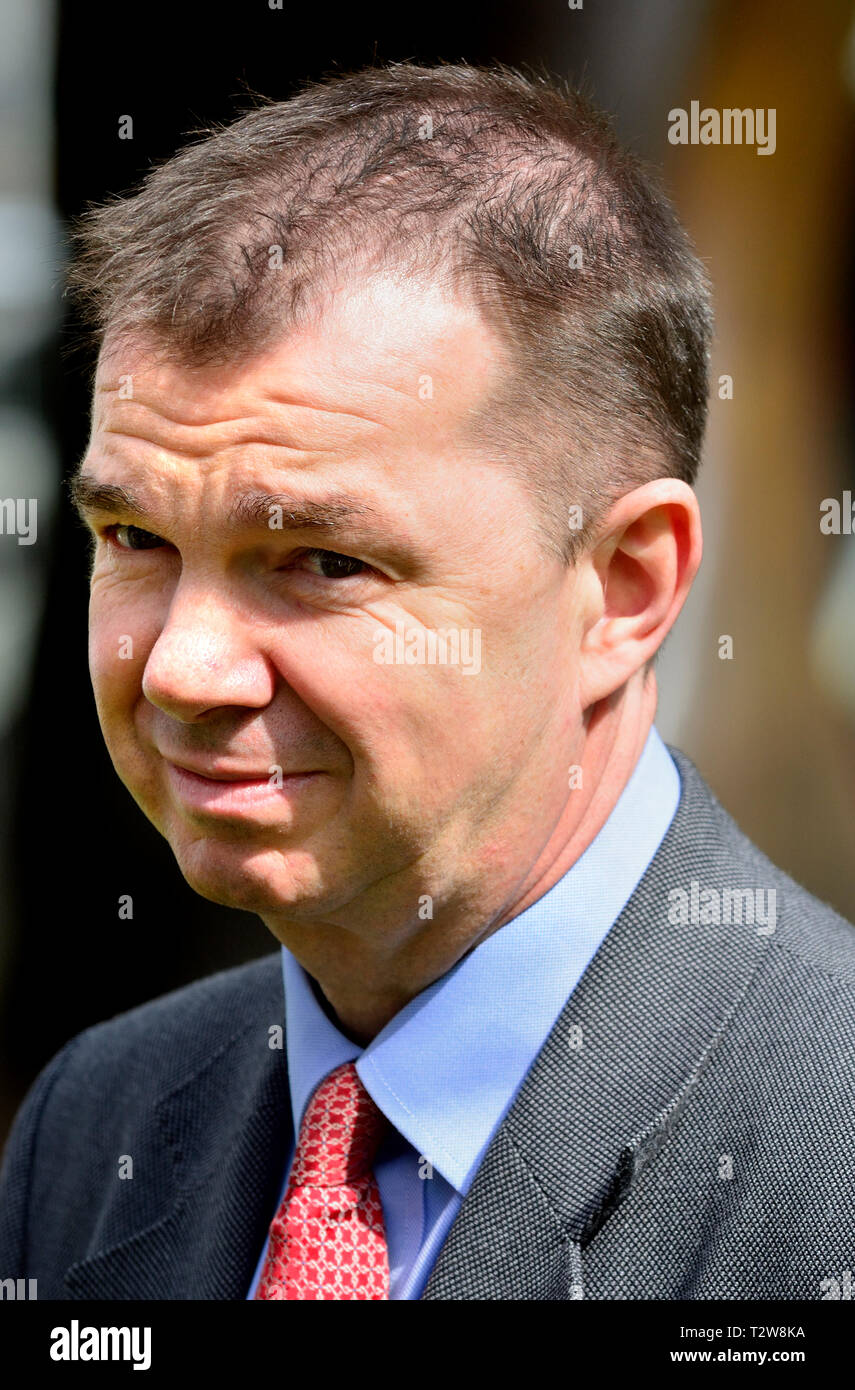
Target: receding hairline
<point x="357" y="120"/>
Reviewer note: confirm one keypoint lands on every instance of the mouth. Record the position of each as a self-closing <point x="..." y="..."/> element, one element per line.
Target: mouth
<point x="237" y="792"/>
<point x="218" y="773"/>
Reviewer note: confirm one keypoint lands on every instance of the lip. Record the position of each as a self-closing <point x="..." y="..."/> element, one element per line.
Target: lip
<point x="233" y="793"/>
<point x="224" y="774"/>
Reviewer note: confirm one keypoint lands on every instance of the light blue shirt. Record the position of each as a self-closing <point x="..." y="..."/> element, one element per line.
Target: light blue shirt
<point x="445" y="1070"/>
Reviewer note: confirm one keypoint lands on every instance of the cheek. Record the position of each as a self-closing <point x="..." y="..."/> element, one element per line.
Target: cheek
<point x="385" y="687"/>
<point x="120" y="638"/>
<point x="433" y="723"/>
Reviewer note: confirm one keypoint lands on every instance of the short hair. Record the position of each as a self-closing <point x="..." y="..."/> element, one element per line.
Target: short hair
<point x="510" y="189"/>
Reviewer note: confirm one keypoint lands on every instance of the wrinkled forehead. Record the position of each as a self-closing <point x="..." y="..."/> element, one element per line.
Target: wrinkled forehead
<point x="377" y="344"/>
<point x="368" y="402"/>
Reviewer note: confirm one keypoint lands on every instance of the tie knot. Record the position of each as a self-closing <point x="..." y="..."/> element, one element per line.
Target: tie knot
<point x="340" y="1134"/>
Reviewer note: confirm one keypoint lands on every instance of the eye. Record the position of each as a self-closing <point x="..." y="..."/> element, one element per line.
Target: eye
<point x="331" y="565"/>
<point x="135" y="538"/>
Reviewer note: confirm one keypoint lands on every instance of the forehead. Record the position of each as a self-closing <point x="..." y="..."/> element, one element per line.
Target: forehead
<point x="371" y="403"/>
<point x="381" y="353"/>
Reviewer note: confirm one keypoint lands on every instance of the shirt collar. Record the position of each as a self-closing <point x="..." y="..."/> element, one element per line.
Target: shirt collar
<point x="446" y="1068"/>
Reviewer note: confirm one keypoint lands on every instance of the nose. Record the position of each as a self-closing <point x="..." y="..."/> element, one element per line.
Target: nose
<point x="205" y="658"/>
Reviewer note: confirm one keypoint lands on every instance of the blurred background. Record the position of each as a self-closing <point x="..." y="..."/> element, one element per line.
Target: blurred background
<point x="772" y="729"/>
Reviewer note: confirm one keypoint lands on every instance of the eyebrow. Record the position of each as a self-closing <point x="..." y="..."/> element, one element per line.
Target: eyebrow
<point x="251" y="510"/>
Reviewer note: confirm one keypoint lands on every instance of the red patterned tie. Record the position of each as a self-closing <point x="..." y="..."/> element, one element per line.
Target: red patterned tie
<point x="328" y="1238"/>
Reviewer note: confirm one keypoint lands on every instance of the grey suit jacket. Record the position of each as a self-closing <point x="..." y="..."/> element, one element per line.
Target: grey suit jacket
<point x="686" y="1132"/>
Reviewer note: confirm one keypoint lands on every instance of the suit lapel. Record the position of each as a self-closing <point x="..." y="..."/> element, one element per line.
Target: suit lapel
<point x="507" y="1242"/>
<point x="212" y="1165"/>
<point x="614" y="1077"/>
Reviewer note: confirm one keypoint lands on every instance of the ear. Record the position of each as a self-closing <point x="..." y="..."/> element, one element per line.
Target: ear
<point x="636" y="577"/>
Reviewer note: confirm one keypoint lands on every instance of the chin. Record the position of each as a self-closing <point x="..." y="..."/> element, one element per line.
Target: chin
<point x="252" y="879"/>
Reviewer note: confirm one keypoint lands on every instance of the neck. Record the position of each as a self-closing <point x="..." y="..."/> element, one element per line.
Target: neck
<point x="614" y="743"/>
<point x="367" y="979"/>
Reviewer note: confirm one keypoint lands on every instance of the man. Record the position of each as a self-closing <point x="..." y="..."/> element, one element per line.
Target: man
<point x="399" y="402"/>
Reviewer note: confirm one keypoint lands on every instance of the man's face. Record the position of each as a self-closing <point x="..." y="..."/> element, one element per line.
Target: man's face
<point x="238" y="650"/>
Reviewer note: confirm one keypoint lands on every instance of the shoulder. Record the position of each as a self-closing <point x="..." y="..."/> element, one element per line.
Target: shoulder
<point x="806" y="935"/>
<point x="178" y="1030"/>
<point x="99" y="1095"/>
<point x="159" y="1044"/>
